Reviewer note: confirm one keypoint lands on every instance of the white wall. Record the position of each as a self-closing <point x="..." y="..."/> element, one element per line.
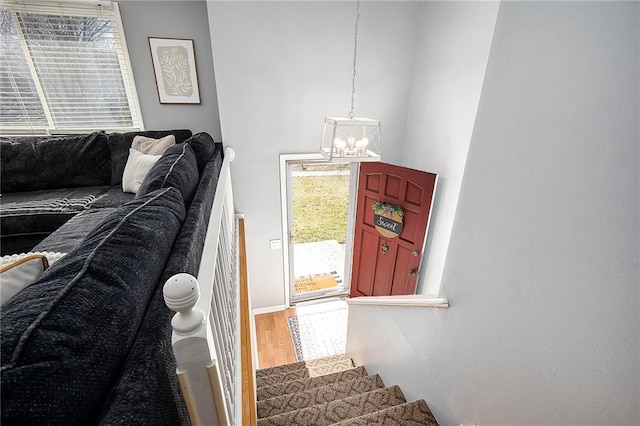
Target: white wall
<point x="543" y="269"/>
<point x="174" y="19"/>
<point x="281" y="67"/>
<point x="453" y="47"/>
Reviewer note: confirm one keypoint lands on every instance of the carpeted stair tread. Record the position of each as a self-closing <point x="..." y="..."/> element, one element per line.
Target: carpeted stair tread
<point x="300" y="385"/>
<point x="300" y="365"/>
<point x="282" y="377"/>
<point x="336" y="411"/>
<point x="317" y="396"/>
<point x="325" y="360"/>
<point x="410" y="414"/>
<point x="301" y="373"/>
<point x="334" y="367"/>
<point x="279" y="369"/>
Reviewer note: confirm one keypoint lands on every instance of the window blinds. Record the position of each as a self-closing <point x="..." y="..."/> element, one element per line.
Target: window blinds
<point x="64" y="68"/>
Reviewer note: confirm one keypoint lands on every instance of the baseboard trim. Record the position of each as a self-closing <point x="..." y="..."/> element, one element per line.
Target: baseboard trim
<point x="268" y="309"/>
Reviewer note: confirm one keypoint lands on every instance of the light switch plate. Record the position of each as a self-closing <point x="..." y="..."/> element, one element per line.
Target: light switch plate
<point x="275" y="244"/>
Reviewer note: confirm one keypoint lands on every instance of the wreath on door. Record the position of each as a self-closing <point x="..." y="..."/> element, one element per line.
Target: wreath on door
<point x="388" y="219"/>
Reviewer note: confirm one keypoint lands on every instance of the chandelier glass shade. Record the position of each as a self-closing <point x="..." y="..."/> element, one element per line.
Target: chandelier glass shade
<point x="351" y="139"/>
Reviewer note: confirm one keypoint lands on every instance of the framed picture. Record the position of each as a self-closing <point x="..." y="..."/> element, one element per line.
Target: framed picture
<point x="174" y="65"/>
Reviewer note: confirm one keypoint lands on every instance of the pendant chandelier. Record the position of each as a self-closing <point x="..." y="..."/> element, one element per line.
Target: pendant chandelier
<point x="352" y="138"/>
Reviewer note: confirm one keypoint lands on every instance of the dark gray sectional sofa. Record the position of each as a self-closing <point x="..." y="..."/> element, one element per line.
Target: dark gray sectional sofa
<point x="90" y="341"/>
<point x="45" y="181"/>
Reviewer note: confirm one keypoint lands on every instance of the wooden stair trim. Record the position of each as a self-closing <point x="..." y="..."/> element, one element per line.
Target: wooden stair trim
<point x="249" y="406"/>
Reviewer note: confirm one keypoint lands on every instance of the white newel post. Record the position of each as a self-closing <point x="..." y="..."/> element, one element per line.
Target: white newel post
<point x="194" y="355"/>
<point x="181" y="293"/>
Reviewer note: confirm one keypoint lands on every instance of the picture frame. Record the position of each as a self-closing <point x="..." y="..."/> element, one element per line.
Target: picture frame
<point x="174" y="67"/>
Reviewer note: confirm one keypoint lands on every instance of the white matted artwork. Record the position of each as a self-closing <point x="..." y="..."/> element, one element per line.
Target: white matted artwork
<point x="174" y="65"/>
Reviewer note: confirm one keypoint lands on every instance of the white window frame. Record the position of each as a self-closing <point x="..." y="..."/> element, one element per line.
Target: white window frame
<point x="123" y="58"/>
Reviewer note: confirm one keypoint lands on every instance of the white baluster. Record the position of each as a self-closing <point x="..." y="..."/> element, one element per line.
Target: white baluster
<point x="181" y="292"/>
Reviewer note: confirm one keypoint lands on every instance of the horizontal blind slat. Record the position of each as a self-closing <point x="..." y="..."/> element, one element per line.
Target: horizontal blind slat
<point x="77" y="54"/>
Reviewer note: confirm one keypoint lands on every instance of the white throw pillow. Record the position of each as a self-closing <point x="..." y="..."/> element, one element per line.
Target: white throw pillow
<point x="138" y="165"/>
<point x="20" y="274"/>
<point x="52" y="257"/>
<point x="152" y="146"/>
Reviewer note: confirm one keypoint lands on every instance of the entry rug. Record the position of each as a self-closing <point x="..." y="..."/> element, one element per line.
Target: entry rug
<point x="319" y="334"/>
<point x="308" y="283"/>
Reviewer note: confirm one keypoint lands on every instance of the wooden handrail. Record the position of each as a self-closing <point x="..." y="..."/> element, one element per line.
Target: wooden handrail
<point x="249" y="411"/>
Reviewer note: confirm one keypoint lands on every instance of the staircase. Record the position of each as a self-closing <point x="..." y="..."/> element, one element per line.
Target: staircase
<point x="331" y="391"/>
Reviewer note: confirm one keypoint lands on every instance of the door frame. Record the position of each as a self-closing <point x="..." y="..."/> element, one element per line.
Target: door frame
<point x="287" y="221"/>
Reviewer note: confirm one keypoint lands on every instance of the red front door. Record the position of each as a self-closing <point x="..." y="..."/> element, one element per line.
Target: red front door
<point x="384" y="265"/>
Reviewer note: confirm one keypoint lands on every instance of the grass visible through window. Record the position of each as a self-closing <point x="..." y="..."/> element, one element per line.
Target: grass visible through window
<point x="320" y="206"/>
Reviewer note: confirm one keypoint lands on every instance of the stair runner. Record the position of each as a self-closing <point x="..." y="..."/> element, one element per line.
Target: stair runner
<point x="331" y="391"/>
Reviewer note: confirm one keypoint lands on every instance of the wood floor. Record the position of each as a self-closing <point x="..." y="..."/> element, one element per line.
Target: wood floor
<point x="273" y="339"/>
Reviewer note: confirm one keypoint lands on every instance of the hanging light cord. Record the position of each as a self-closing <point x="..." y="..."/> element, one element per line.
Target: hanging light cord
<point x="355" y="56"/>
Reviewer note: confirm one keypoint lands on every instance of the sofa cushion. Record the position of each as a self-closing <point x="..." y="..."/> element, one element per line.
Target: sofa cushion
<point x="120" y="143"/>
<point x="33" y="203"/>
<point x="203" y="146"/>
<point x="44" y="162"/>
<point x="65" y="338"/>
<point x="187" y="249"/>
<point x="114" y="197"/>
<point x="177" y="168"/>
<point x="71" y="234"/>
<point x="148" y="392"/>
<point x="28" y="217"/>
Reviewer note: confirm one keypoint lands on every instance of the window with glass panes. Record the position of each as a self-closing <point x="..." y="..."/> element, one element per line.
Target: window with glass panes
<point x="64" y="68"/>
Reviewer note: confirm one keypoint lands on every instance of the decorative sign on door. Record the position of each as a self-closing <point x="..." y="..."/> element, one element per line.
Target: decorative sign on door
<point x="388" y="219"/>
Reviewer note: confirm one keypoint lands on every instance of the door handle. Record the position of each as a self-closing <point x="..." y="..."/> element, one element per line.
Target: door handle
<point x="385" y="248"/>
<point x="412" y="272"/>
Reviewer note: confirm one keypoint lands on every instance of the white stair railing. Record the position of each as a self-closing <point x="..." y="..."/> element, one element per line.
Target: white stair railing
<point x="206" y="336"/>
